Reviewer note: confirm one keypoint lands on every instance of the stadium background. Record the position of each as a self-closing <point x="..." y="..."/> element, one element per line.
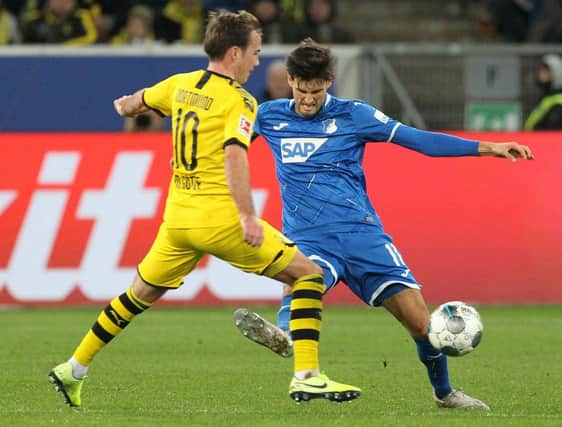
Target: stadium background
<point x="486" y="231"/>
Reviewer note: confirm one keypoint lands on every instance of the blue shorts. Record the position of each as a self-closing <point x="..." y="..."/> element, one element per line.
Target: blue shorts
<point x="366" y="261"/>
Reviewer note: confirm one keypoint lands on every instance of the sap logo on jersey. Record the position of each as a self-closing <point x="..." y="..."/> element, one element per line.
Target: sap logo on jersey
<point x="298" y="150"/>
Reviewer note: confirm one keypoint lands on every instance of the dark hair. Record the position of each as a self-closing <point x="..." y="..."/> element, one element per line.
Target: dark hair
<point x="226" y="29"/>
<point x="310" y="61"/>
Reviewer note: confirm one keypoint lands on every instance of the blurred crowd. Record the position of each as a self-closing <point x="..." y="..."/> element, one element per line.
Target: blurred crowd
<point x="533" y="21"/>
<point x="122" y="22"/>
<point x="118" y="22"/>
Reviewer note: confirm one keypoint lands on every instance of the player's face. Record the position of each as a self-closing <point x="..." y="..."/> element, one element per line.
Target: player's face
<point x="309" y="95"/>
<point x="248" y="59"/>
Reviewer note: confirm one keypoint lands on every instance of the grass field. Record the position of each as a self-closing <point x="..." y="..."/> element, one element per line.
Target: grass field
<point x="191" y="367"/>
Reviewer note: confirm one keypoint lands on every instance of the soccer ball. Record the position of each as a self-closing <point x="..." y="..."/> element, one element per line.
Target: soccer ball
<point x="455" y="328"/>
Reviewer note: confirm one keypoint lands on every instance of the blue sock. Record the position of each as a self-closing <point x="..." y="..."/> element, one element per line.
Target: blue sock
<point x="436" y="364"/>
<point x="284" y="313"/>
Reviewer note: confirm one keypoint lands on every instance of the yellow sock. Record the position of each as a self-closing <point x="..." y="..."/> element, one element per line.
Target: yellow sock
<point x="306" y="317"/>
<point x="111" y="321"/>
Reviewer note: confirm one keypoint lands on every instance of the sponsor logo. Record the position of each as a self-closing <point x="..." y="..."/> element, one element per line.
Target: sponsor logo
<point x="73" y="225"/>
<point x="298" y="150"/>
<point x="116" y="319"/>
<point x="323" y="385"/>
<point x="280" y="126"/>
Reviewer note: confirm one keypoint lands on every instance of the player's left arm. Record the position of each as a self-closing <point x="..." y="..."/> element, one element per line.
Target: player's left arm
<point x="439" y="144"/>
<point x="237" y="172"/>
<point x="374" y="125"/>
<point x="509" y="150"/>
<point x="240" y="120"/>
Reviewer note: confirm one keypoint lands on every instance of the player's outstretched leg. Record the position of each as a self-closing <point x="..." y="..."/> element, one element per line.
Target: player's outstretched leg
<point x="261" y="331"/>
<point x="68" y="376"/>
<point x="437" y="369"/>
<point x="457" y="399"/>
<point x="321" y="387"/>
<point x="65" y="383"/>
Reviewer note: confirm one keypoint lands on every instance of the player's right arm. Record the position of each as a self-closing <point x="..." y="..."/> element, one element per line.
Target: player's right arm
<point x="157" y="98"/>
<point x="131" y="105"/>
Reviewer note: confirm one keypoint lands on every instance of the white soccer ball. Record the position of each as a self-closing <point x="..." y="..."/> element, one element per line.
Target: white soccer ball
<point x="455" y="328"/>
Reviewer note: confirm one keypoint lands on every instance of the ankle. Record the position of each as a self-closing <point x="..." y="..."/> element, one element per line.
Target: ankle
<point x="79" y="371"/>
<point x="306" y="373"/>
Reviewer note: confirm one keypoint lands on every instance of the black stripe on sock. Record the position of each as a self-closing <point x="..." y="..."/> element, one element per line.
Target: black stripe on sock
<point x="306" y="313"/>
<point x="305" y="334"/>
<point x="307" y="293"/>
<point x="101" y="333"/>
<point x="138" y="302"/>
<point x="115" y="317"/>
<point x="129" y="305"/>
<point x="316" y="279"/>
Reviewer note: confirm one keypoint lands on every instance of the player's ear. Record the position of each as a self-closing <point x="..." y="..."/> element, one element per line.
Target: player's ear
<point x="235" y="53"/>
<point x="290" y="80"/>
<point x="329" y="84"/>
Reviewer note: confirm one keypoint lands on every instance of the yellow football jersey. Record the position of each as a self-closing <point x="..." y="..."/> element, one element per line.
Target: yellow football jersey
<point x="207" y="109"/>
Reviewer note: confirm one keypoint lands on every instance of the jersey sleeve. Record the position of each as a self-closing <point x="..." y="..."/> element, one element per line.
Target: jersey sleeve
<point x="160" y="96"/>
<point x="373" y="125"/>
<point x="435" y="144"/>
<point x="240" y="118"/>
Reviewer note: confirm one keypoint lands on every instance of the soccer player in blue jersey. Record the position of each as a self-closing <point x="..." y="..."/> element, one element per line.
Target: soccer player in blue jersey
<point x="318" y="142"/>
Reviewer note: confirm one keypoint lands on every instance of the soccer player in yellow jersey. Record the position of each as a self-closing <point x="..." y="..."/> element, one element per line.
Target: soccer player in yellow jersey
<point x="209" y="209"/>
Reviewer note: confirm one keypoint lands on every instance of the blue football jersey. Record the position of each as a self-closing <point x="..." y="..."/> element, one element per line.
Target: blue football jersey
<point x="319" y="161"/>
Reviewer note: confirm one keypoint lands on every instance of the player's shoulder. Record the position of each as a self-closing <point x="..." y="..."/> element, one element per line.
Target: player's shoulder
<point x="239" y="93"/>
<point x="274" y="104"/>
<point x="361" y="110"/>
<point x="348" y="104"/>
<point x="274" y="108"/>
<point x="344" y="106"/>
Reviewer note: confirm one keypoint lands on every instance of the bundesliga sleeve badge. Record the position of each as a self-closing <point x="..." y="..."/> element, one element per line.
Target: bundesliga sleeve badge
<point x="245" y="127"/>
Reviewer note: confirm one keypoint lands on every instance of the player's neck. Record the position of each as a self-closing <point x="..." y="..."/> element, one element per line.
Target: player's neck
<point x="222" y="69"/>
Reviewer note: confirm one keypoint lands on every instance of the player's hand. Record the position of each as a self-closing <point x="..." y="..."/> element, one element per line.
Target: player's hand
<point x="253" y="230"/>
<point x="508" y="150"/>
<point x="119" y="105"/>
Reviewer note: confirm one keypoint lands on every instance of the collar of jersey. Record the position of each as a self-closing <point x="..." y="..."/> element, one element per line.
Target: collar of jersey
<point x="230" y="79"/>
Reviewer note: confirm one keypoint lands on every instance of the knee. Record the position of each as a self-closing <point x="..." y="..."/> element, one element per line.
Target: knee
<point x="315" y="268"/>
<point x="145" y="292"/>
<point x="299" y="267"/>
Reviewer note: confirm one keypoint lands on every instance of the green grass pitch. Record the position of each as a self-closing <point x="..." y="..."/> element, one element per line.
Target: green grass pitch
<point x="191" y="367"/>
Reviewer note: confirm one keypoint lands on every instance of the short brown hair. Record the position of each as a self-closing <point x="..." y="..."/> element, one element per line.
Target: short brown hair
<point x="227" y="29"/>
<point x="310" y="61"/>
